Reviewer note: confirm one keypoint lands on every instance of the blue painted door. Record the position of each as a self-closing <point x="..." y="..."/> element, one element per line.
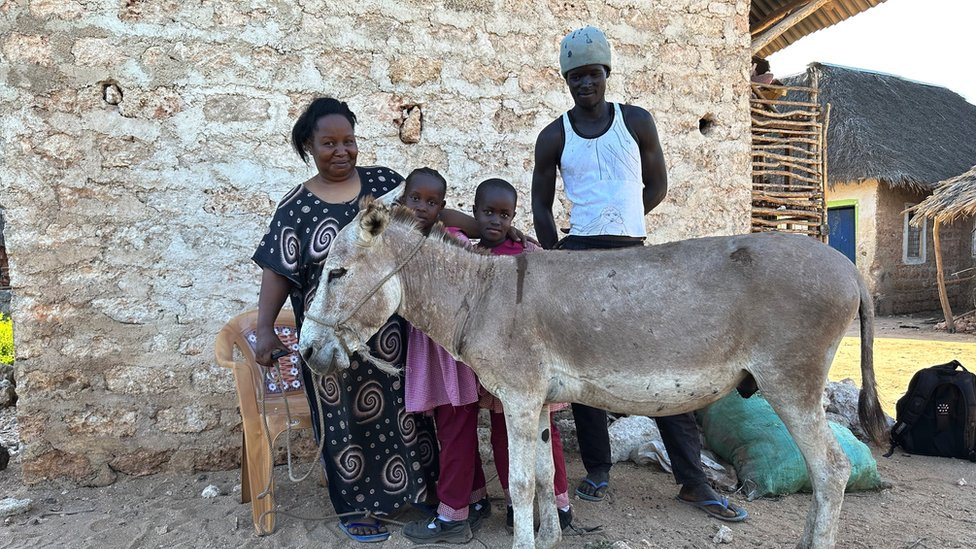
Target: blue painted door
<point x="842" y="234"/>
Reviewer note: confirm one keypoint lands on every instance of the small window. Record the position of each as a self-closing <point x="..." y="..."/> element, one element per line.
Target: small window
<point x="973" y="240"/>
<point x="913" y="240"/>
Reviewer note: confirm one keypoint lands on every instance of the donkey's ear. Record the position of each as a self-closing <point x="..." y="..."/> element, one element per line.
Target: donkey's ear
<point x="374" y="219"/>
<point x="391" y="198"/>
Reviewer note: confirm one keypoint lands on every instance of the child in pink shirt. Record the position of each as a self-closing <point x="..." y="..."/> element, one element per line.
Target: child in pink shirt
<point x="494" y="207"/>
<point x="436" y="383"/>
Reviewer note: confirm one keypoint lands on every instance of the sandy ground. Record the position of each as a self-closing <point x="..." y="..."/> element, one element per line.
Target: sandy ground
<point x="928" y="504"/>
<point x="903" y="345"/>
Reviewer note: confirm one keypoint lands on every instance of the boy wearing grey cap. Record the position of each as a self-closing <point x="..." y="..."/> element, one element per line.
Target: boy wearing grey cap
<point x="613" y="171"/>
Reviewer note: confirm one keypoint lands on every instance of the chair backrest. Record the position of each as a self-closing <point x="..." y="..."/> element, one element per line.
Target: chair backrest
<point x="240" y="333"/>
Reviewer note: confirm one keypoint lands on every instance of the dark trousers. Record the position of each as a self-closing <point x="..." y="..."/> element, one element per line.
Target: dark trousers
<point x="679" y="433"/>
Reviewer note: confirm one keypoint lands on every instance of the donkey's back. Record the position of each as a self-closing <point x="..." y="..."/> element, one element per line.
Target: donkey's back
<point x="689" y="318"/>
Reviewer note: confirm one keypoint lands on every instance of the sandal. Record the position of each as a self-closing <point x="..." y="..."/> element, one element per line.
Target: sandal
<point x="599" y="490"/>
<point x="740" y="513"/>
<point x="364" y="538"/>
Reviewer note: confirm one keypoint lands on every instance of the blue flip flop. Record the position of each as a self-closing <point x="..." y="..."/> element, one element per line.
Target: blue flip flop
<point x="597" y="495"/>
<point x="363" y="538"/>
<point x="740" y="513"/>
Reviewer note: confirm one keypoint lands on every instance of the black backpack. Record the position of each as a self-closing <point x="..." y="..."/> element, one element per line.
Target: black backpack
<point x="937" y="415"/>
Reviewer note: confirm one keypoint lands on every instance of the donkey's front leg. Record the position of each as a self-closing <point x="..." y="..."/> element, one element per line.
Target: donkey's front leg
<point x="549" y="533"/>
<point x="521" y="416"/>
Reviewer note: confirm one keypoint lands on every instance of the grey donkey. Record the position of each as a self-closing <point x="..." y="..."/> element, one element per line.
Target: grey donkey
<point x="657" y="330"/>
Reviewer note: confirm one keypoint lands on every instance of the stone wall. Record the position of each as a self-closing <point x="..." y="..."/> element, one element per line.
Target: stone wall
<point x="144" y="145"/>
<point x="909" y="288"/>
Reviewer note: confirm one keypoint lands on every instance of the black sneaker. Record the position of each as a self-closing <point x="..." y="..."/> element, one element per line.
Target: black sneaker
<point x="565" y="519"/>
<point x="478" y="512"/>
<point x="435" y="530"/>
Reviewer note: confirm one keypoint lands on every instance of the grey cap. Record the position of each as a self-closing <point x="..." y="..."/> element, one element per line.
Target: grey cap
<point x="585" y="46"/>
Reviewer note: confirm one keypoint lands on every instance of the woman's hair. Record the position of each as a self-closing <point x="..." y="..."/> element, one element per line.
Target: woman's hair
<point x="431" y="172"/>
<point x="304" y="127"/>
<point x="494" y="183"/>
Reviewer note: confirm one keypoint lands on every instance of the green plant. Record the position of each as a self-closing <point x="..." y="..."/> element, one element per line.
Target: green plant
<point x="6" y="339"/>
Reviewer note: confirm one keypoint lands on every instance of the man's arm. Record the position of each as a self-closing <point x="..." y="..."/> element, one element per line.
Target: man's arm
<point x="548" y="147"/>
<point x="653" y="171"/>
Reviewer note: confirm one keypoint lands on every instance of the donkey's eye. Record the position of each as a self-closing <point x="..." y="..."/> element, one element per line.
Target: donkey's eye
<point x="336" y="273"/>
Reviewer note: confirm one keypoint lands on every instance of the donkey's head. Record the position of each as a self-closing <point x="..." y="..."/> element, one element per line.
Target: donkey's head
<point x="358" y="290"/>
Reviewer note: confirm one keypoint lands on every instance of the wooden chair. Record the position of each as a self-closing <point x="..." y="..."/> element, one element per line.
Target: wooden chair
<point x="255" y="384"/>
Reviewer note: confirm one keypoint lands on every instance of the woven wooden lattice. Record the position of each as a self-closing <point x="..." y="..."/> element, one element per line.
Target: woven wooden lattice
<point x="788" y="160"/>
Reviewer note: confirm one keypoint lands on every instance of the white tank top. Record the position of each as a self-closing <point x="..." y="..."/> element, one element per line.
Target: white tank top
<point x="602" y="177"/>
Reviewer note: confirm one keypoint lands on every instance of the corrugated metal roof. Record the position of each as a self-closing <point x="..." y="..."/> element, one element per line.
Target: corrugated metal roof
<point x="830" y="14"/>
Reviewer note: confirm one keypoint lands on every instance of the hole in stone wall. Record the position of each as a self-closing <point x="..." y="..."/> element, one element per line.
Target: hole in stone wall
<point x="411" y="123"/>
<point x="111" y="92"/>
<point x="706" y="124"/>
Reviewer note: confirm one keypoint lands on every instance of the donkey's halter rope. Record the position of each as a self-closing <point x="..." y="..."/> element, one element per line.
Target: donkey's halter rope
<point x="338" y="325"/>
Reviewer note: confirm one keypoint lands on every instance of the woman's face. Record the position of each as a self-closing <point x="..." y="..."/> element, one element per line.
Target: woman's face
<point x="333" y="146"/>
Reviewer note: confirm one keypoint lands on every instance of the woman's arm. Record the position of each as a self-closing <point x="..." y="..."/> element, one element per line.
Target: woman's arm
<point x="274" y="290"/>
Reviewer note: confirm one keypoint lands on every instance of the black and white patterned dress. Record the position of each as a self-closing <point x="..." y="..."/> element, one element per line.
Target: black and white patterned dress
<point x="377" y="457"/>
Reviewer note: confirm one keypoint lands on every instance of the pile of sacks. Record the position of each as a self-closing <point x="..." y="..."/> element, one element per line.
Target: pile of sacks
<point x="637" y="439"/>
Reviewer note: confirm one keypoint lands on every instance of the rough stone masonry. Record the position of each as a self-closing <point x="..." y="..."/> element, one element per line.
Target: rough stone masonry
<point x="144" y="146"/>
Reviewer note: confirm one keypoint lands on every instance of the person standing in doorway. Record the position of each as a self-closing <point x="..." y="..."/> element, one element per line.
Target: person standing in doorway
<point x="613" y="171"/>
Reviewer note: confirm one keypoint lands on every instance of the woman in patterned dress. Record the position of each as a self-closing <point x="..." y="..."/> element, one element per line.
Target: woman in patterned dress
<point x="377" y="457"/>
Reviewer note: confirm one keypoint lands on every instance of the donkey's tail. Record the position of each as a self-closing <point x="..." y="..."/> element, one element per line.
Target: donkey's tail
<point x="869" y="411"/>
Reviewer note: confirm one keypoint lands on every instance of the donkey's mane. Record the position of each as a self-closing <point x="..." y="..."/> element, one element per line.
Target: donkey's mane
<point x="403" y="216"/>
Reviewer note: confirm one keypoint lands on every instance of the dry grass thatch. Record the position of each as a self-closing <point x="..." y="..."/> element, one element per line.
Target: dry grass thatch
<point x="952" y="199"/>
<point x="884" y="127"/>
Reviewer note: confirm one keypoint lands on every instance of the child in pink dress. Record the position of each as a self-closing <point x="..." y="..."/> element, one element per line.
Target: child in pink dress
<point x="494" y="208"/>
<point x="436" y="383"/>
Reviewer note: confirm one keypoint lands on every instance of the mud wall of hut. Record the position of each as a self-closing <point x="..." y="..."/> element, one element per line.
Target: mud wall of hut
<point x="899" y="287"/>
<point x="911" y="288"/>
<point x="144" y="146"/>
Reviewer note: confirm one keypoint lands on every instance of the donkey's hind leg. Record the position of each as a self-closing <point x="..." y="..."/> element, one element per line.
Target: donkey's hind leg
<point x="827" y="465"/>
<point x="549" y="532"/>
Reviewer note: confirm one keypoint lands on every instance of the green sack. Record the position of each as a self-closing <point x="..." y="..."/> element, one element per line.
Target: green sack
<point x="748" y="434"/>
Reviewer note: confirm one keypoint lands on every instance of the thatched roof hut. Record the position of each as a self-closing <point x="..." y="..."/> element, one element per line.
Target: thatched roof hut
<point x="952" y="199"/>
<point x="892" y="129"/>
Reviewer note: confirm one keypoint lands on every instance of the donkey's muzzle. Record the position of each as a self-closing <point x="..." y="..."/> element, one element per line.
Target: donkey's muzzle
<point x="324" y="359"/>
<point x="307" y="352"/>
